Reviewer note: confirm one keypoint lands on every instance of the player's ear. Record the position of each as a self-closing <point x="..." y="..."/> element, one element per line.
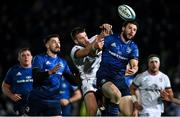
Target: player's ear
<point x="19" y="58"/>
<point x="123" y="28"/>
<point x="47" y="45"/>
<point x="75" y="41"/>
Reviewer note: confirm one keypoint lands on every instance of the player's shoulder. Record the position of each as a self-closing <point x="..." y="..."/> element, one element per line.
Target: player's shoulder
<point x="163" y="74"/>
<point x="142" y="74"/>
<point x="76" y="47"/>
<point x="74" y="50"/>
<point x="62" y="59"/>
<point x="113" y="36"/>
<point x="42" y="55"/>
<point x="14" y="67"/>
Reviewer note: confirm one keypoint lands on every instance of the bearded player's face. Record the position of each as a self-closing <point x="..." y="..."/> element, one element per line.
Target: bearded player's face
<point x="129" y="31"/>
<point x="54" y="45"/>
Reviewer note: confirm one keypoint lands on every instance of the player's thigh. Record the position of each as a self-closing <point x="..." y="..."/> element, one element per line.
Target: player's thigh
<point x="126" y="105"/>
<point x="110" y="90"/>
<point x="90" y="100"/>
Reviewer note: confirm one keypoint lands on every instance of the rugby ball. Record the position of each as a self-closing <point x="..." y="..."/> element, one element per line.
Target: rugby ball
<point x="126" y="12"/>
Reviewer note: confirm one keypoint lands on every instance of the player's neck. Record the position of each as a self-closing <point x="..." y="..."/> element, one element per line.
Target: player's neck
<point x="153" y="72"/>
<point x="124" y="39"/>
<point x="51" y="54"/>
<point x="26" y="65"/>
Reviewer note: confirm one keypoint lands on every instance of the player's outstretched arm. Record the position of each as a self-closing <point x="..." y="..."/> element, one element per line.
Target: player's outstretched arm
<point x="167" y="97"/>
<point x="132" y="67"/>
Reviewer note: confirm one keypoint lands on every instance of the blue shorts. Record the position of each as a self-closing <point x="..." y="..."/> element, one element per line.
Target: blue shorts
<point x="104" y="76"/>
<point x="19" y="106"/>
<point x="67" y="110"/>
<point x="129" y="80"/>
<point x="37" y="107"/>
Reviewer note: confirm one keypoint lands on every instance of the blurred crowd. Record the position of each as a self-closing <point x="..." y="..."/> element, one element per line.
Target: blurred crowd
<point x="26" y="23"/>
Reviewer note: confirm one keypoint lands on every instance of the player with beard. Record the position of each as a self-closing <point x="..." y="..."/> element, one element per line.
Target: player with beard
<point x="47" y="71"/>
<point x="86" y="56"/>
<point x="118" y="51"/>
<point x="150" y="83"/>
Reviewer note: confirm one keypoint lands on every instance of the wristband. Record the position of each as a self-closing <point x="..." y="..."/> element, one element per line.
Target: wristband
<point x="69" y="101"/>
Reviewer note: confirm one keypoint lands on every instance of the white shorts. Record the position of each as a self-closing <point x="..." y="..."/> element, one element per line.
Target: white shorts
<point x="150" y="114"/>
<point x="88" y="85"/>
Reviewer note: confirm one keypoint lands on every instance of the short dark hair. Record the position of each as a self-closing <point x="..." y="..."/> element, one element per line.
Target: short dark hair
<point x="76" y="31"/>
<point x="50" y="36"/>
<point x="131" y="22"/>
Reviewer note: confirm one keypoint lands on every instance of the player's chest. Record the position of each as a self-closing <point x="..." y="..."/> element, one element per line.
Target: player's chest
<point x="50" y="64"/>
<point x="154" y="82"/>
<point x="119" y="48"/>
<point x="23" y="76"/>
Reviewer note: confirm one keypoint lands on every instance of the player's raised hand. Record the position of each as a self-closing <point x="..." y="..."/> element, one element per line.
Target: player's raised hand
<point x="106" y="29"/>
<point x="130" y="70"/>
<point x="55" y="69"/>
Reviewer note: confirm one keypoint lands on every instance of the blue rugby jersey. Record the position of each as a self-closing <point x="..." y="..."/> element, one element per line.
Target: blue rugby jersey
<point x="20" y="79"/>
<point x="116" y="54"/>
<point x="67" y="89"/>
<point x="49" y="87"/>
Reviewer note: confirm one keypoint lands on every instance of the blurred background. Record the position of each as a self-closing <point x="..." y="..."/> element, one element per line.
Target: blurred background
<point x="25" y="24"/>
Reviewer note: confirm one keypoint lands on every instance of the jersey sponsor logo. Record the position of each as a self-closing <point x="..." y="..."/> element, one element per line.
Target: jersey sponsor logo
<point x="62" y="92"/>
<point x="118" y="56"/>
<point x="28" y="77"/>
<point x="25" y="80"/>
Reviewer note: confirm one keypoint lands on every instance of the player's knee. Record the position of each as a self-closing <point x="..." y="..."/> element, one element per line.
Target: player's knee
<point x="116" y="99"/>
<point x="92" y="111"/>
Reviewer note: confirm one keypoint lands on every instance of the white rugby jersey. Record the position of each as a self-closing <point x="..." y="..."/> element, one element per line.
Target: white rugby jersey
<point x="88" y="65"/>
<point x="149" y="87"/>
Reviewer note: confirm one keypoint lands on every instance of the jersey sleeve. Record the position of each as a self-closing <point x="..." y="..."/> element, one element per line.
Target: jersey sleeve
<point x="76" y="61"/>
<point x="137" y="80"/>
<point x="167" y="82"/>
<point x="66" y="68"/>
<point x="107" y="41"/>
<point x="9" y="77"/>
<point x="68" y="74"/>
<point x="74" y="50"/>
<point x="135" y="52"/>
<point x="37" y="62"/>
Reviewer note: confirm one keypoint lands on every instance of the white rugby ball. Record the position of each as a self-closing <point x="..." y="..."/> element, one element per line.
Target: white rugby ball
<point x="126" y="12"/>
